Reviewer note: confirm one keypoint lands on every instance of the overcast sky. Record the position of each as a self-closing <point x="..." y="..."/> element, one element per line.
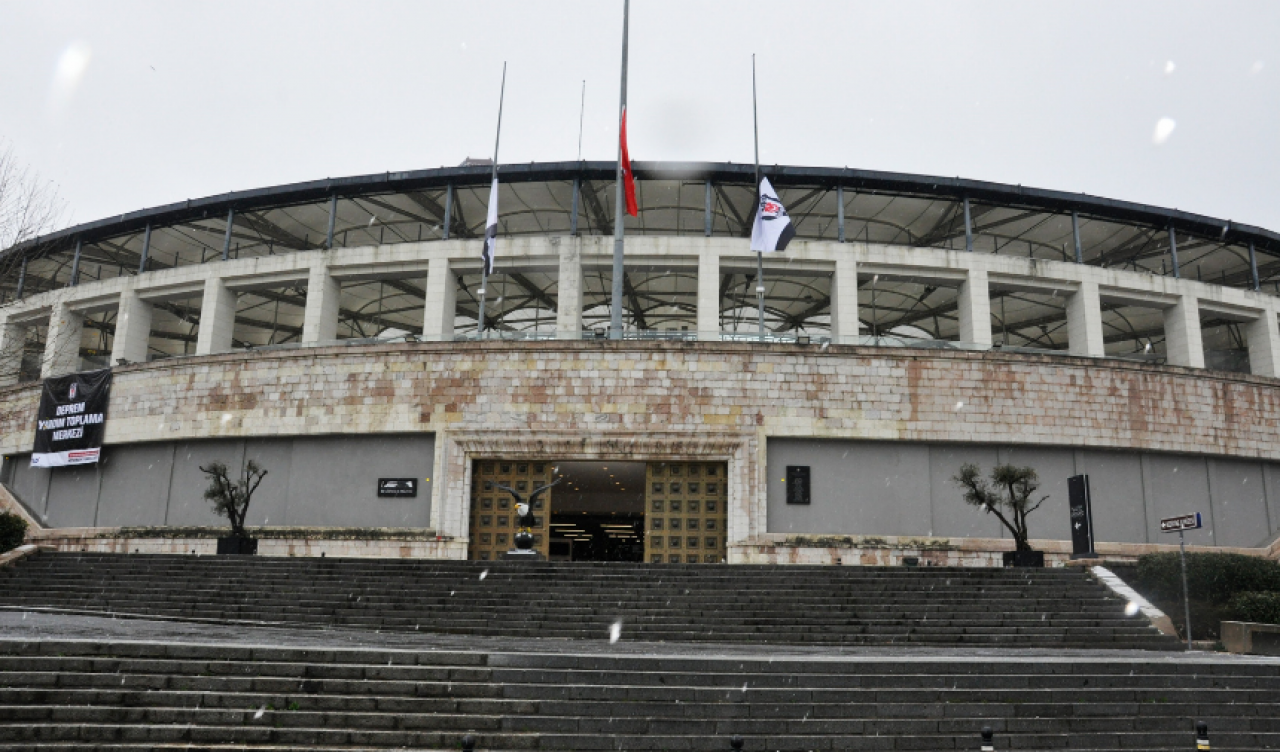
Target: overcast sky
<point x="129" y="104"/>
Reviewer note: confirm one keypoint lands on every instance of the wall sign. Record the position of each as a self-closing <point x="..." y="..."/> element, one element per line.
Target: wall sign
<point x="1081" y="516"/>
<point x="1181" y="522"/>
<point x="398" y="487"/>
<point x="72" y="419"/>
<point x="798" y="484"/>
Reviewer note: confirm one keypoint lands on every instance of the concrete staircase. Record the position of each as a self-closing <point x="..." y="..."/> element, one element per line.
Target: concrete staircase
<point x="129" y="697"/>
<point x="836" y="606"/>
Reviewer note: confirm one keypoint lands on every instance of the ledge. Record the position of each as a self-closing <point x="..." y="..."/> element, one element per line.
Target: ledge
<point x="270" y="533"/>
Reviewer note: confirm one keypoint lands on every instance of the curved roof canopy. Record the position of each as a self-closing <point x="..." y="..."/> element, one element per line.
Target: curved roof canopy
<point x="538" y="198"/>
<point x="698" y="199"/>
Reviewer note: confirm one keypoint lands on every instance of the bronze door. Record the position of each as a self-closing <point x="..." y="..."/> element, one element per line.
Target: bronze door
<point x="493" y="514"/>
<point x="685" y="512"/>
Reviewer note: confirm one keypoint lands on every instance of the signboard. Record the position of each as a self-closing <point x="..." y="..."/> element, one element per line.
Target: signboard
<point x="1081" y="515"/>
<point x="797" y="484"/>
<point x="1181" y="522"/>
<point x="72" y="419"/>
<point x="398" y="487"/>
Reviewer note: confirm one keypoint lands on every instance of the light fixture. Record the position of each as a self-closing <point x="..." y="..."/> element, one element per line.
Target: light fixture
<point x="803" y="339"/>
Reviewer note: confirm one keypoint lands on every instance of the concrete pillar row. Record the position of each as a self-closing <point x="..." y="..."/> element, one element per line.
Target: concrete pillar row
<point x="844" y="299"/>
<point x="1263" y="338"/>
<point x="441" y="304"/>
<point x="62" y="342"/>
<point x="708" y="294"/>
<point x="217" y="318"/>
<point x="12" y="339"/>
<point x="569" y="287"/>
<point x="1183" y="346"/>
<point x="133" y="329"/>
<point x="320" y="319"/>
<point x="974" y="303"/>
<point x="1084" y="321"/>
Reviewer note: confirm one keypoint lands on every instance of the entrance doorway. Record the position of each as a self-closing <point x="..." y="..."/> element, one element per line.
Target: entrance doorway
<point x="656" y="512"/>
<point x="599" y="512"/>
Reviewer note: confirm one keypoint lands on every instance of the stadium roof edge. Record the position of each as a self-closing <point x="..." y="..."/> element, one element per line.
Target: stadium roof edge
<point x="872" y="181"/>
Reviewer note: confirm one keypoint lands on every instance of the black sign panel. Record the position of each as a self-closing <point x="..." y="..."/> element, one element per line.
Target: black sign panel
<point x="398" y="487"/>
<point x="797" y="484"/>
<point x="1081" y="515"/>
<point x="72" y="419"/>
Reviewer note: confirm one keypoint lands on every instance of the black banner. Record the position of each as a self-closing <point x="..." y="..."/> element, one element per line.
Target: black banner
<point x="72" y="419"/>
<point x="1081" y="515"/>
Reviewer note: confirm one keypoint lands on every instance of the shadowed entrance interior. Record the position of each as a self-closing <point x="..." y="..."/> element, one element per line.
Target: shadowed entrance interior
<point x="598" y="513"/>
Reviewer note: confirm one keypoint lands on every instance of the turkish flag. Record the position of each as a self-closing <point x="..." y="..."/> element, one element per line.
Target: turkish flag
<point x="628" y="180"/>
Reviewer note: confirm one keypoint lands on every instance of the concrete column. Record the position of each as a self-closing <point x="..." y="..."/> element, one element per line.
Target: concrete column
<point x="12" y="339"/>
<point x="442" y="298"/>
<point x="320" y="319"/>
<point x="844" y="298"/>
<point x="974" y="304"/>
<point x="1084" y="321"/>
<point x="1182" y="333"/>
<point x="133" y="329"/>
<point x="1263" y="337"/>
<point x="709" y="295"/>
<point x="217" y="318"/>
<point x="62" y="342"/>
<point x="569" y="286"/>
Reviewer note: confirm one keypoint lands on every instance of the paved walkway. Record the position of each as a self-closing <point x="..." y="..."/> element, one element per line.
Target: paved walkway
<point x="27" y="625"/>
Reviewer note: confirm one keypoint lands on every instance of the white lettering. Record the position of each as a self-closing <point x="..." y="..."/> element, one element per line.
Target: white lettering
<point x="70" y="433"/>
<point x="75" y="407"/>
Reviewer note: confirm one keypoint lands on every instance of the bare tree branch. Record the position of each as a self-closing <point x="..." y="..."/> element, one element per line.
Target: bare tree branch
<point x="29" y="206"/>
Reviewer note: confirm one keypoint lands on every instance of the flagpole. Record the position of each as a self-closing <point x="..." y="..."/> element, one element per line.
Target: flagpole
<point x="620" y="206"/>
<point x="582" y="110"/>
<point x="755" y="125"/>
<point x="484" y="268"/>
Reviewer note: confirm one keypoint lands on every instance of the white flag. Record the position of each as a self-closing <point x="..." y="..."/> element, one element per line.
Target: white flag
<point x="772" y="229"/>
<point x="491" y="230"/>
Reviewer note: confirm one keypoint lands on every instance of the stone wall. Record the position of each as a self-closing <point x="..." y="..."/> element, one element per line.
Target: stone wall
<point x="719" y="393"/>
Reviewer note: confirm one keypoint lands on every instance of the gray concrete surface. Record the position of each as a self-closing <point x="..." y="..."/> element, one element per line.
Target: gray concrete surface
<point x="320" y="481"/>
<point x="905" y="489"/>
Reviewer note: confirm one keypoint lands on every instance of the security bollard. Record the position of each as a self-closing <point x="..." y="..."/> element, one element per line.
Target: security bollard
<point x="468" y="743"/>
<point x="1202" y="735"/>
<point x="987" y="744"/>
<point x="736" y="742"/>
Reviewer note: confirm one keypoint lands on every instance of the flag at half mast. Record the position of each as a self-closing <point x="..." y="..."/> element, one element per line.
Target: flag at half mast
<point x="772" y="229"/>
<point x="491" y="230"/>
<point x="628" y="180"/>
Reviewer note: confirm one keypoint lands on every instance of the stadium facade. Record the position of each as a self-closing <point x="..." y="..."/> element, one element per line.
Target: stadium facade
<point x="328" y="329"/>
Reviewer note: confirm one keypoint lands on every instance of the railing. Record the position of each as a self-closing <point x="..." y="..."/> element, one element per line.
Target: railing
<point x="1234" y="361"/>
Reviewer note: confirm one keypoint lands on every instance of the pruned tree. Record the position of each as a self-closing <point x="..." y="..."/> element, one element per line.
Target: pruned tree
<point x="29" y="206"/>
<point x="231" y="498"/>
<point x="1008" y="496"/>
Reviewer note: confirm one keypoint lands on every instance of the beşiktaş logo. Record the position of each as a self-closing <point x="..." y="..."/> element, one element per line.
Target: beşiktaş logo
<point x="71" y="394"/>
<point x="771" y="208"/>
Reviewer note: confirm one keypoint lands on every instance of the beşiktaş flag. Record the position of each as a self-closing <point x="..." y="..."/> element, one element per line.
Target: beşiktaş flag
<point x="772" y="229"/>
<point x="71" y="419"/>
<point x="491" y="230"/>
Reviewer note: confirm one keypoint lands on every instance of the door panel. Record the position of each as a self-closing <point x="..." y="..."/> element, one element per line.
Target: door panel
<point x="685" y="512"/>
<point x="493" y="514"/>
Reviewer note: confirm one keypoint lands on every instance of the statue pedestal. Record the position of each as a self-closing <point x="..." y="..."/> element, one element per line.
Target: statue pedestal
<point x="526" y="554"/>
